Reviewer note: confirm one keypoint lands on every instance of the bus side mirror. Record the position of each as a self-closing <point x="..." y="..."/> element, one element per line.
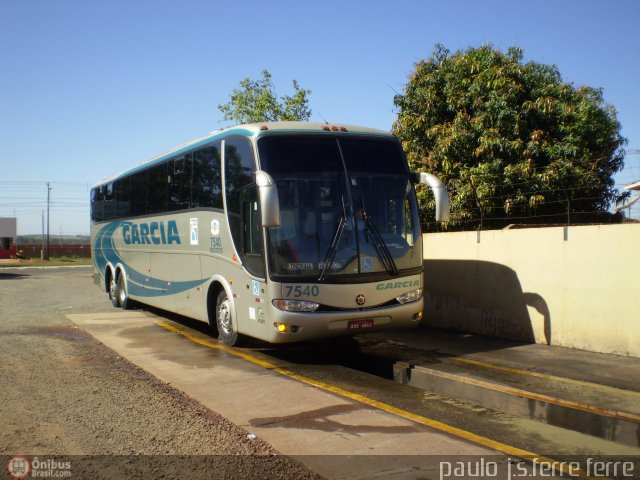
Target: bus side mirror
<point x="439" y="192"/>
<point x="268" y="199"/>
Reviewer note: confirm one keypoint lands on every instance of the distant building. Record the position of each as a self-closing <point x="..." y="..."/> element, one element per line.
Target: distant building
<point x="8" y="233"/>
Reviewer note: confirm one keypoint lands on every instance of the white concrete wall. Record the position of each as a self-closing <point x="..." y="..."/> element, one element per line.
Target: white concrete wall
<point x="8" y="227"/>
<point x="532" y="284"/>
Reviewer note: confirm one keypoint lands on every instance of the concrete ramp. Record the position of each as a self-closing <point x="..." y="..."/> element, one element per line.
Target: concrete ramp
<point x="331" y="434"/>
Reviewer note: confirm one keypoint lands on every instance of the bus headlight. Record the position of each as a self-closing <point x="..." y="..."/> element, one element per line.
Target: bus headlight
<point x="295" y="305"/>
<point x="411" y="296"/>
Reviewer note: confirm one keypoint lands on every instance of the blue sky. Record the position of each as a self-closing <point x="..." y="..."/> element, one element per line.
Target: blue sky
<point x="90" y="88"/>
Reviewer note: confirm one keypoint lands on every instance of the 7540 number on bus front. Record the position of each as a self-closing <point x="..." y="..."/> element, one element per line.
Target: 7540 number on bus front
<point x="298" y="291"/>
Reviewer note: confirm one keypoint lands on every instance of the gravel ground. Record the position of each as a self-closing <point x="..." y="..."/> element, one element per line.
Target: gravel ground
<point x="66" y="394"/>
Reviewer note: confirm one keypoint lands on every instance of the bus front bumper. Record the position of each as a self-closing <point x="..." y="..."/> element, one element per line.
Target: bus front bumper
<point x="289" y="327"/>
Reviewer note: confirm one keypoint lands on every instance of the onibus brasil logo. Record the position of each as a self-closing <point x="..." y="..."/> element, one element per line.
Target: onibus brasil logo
<point x="21" y="467"/>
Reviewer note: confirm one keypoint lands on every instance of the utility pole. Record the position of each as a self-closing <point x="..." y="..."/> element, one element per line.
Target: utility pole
<point x="48" y="217"/>
<point x="42" y="251"/>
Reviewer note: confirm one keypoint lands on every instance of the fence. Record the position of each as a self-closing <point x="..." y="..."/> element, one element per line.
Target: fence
<point x="34" y="251"/>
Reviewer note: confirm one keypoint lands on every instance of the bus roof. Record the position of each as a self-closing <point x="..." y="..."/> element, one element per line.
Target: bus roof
<point x="247" y="130"/>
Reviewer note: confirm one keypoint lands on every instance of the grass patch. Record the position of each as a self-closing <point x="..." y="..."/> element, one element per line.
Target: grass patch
<point x="52" y="262"/>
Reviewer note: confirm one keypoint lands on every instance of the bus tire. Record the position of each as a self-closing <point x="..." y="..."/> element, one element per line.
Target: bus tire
<point x="224" y="321"/>
<point x="113" y="292"/>
<point x="122" y="294"/>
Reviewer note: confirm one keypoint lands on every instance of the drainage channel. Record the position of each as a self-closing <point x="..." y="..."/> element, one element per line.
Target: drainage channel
<point x="379" y="370"/>
<point x="548" y="400"/>
<point x="591" y="408"/>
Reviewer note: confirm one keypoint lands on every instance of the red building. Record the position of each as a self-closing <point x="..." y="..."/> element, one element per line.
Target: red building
<point x="8" y="233"/>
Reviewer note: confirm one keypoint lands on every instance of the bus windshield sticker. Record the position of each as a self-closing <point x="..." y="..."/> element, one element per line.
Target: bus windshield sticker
<point x="366" y="264"/>
<point x="333" y="266"/>
<point x="300" y="266"/>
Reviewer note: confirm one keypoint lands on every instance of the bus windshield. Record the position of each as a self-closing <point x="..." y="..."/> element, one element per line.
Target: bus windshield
<point x="346" y="208"/>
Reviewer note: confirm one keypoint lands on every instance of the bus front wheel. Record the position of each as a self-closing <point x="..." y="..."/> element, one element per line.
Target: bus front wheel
<point x="224" y="321"/>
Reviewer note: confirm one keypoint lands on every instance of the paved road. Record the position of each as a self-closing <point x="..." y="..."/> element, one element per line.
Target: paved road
<point x="66" y="394"/>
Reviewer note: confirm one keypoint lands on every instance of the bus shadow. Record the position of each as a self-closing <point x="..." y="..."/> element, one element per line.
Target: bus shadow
<point x="461" y="297"/>
<point x="343" y="351"/>
<point x="348" y="352"/>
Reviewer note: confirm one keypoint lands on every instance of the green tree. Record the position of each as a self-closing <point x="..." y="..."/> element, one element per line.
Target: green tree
<point x="511" y="140"/>
<point x="256" y="101"/>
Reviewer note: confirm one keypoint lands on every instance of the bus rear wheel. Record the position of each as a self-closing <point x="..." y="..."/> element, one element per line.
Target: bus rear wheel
<point x="122" y="294"/>
<point x="224" y="321"/>
<point x="113" y="292"/>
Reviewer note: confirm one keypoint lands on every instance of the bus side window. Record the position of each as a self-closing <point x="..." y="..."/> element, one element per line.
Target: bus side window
<point x="207" y="178"/>
<point x="138" y="194"/>
<point x="97" y="205"/>
<point x="243" y="211"/>
<point x="157" y="189"/>
<point x="109" y="201"/>
<point x="179" y="197"/>
<point x="252" y="240"/>
<point x="123" y="197"/>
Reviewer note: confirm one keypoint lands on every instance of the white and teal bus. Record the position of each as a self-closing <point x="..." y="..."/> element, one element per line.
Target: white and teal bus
<point x="283" y="231"/>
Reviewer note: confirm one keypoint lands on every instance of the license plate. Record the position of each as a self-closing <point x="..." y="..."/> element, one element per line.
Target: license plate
<point x="360" y="324"/>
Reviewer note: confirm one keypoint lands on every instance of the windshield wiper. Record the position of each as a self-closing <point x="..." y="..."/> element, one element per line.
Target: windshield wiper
<point x="379" y="244"/>
<point x="335" y="242"/>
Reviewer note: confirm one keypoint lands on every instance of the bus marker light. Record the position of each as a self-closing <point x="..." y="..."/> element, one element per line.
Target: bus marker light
<point x="280" y="327"/>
